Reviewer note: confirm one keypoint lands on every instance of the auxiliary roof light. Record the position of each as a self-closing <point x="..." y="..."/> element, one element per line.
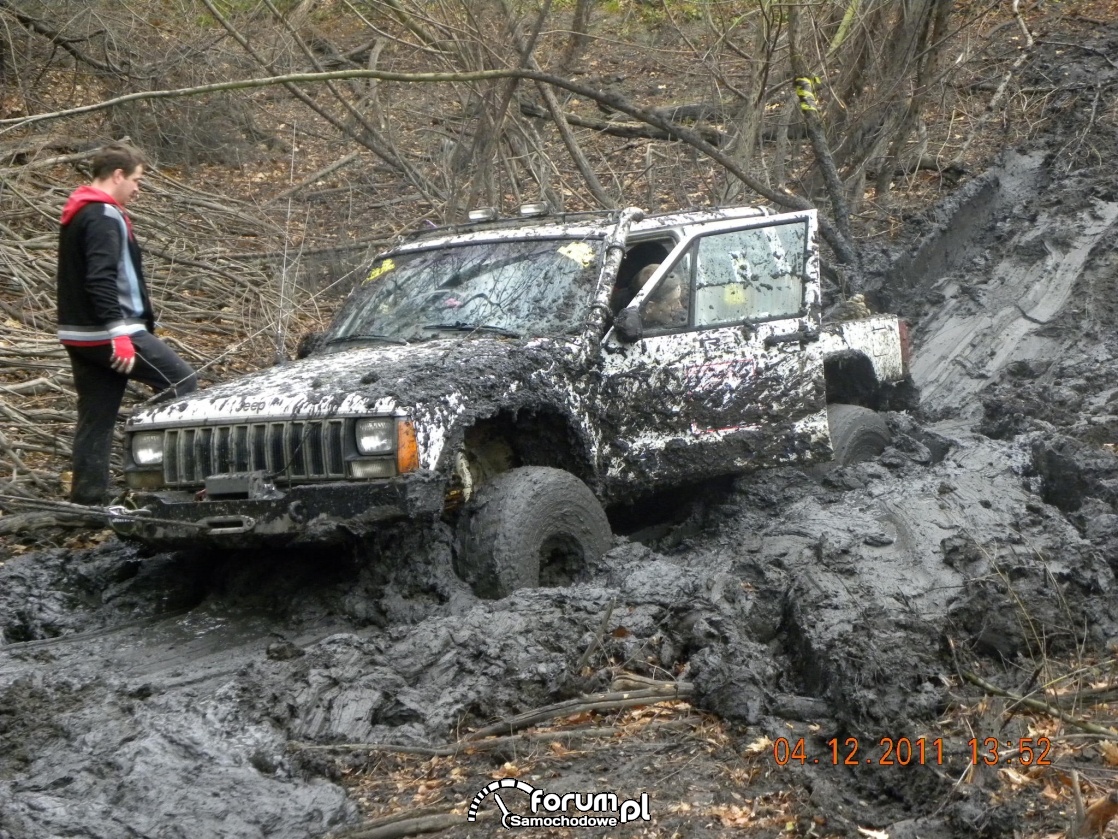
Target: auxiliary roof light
<point x="539" y="209"/>
<point x="483" y="214"/>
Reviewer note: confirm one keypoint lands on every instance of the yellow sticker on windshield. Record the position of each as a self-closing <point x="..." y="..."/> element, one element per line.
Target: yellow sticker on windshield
<point x="580" y="252"/>
<point x="733" y="295"/>
<point x="379" y="270"/>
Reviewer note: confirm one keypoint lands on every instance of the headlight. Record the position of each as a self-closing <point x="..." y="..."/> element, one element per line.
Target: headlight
<point x="147" y="448"/>
<point x="376" y="436"/>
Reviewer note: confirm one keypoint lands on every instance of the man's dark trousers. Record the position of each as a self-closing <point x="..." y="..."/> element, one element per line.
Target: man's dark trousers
<point x="100" y="391"/>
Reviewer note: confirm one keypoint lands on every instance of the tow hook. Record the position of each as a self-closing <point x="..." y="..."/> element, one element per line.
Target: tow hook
<point x="297" y="511"/>
<point x="228" y="525"/>
<point x="123" y="519"/>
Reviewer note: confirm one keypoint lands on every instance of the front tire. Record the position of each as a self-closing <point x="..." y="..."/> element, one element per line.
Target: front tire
<point x="857" y="434"/>
<point x="528" y="527"/>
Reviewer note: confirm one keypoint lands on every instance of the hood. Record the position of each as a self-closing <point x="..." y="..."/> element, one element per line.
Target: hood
<point x="85" y="195"/>
<point x="370" y="380"/>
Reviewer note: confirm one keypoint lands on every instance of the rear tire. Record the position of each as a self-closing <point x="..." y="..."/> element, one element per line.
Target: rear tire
<point x="857" y="434"/>
<point x="528" y="527"/>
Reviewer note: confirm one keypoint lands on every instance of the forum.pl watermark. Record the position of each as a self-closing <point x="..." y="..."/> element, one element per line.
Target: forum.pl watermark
<point x="550" y="809"/>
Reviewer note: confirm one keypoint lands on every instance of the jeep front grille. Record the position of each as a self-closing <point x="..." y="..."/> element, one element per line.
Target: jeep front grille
<point x="292" y="451"/>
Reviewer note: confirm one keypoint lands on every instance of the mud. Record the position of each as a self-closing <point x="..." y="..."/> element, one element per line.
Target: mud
<point x="156" y="695"/>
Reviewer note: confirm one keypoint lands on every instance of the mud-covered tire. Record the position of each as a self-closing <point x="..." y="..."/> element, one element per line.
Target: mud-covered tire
<point x="528" y="527"/>
<point x="857" y="433"/>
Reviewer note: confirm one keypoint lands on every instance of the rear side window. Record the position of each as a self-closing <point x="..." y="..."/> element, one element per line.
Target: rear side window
<point x="750" y="275"/>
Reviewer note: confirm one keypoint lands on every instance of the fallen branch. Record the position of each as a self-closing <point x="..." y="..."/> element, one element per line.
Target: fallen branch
<point x="51" y="506"/>
<point x="585" y="658"/>
<point x="396" y="826"/>
<point x="627" y="130"/>
<point x="593" y="702"/>
<point x="1042" y="707"/>
<point x="24" y="523"/>
<point x="11" y="454"/>
<point x="470" y="746"/>
<point x="315" y="177"/>
<point x="33" y="387"/>
<point x="1092" y="50"/>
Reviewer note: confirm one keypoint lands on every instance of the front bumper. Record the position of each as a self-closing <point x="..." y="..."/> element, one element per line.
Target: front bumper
<point x="310" y="513"/>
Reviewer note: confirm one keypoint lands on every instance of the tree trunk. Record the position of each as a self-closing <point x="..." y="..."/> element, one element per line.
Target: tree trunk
<point x="580" y="23"/>
<point x="804" y="85"/>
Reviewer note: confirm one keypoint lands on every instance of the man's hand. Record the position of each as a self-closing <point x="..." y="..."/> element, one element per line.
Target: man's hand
<point x="124" y="355"/>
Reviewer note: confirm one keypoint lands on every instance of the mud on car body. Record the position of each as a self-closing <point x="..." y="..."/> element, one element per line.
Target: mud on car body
<point x="493" y="373"/>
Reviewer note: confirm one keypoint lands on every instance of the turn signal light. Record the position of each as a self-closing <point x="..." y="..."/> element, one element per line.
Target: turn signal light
<point x="407" y="449"/>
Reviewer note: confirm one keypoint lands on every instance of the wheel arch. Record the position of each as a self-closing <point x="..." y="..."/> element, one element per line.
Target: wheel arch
<point x="851" y="380"/>
<point x="539" y="435"/>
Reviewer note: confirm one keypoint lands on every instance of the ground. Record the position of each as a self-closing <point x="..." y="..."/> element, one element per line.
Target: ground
<point x="837" y="654"/>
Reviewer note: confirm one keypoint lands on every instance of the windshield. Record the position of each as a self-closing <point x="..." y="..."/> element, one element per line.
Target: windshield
<point x="511" y="288"/>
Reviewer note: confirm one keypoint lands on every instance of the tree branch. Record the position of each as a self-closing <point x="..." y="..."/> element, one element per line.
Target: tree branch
<point x="55" y="37"/>
<point x="804" y="84"/>
<point x="370" y="139"/>
<point x="631" y="130"/>
<point x="1043" y="707"/>
<point x="341" y="163"/>
<point x="692" y="138"/>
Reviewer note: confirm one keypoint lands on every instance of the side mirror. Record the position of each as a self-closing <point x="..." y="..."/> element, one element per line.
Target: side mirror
<point x="628" y="325"/>
<point x="308" y="343"/>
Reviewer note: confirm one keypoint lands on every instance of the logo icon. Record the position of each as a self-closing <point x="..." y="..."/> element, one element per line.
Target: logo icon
<point x="549" y="809"/>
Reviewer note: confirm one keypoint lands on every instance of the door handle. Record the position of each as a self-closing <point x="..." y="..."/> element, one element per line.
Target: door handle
<point x="800" y="336"/>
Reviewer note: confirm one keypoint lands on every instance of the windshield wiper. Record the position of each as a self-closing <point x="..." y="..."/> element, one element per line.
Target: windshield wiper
<point x="366" y="336"/>
<point x="462" y="326"/>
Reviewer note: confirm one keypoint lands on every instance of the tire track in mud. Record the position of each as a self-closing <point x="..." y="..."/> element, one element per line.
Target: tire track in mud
<point x="191" y="648"/>
<point x="947" y="526"/>
<point x="1003" y="309"/>
<point x="141" y="729"/>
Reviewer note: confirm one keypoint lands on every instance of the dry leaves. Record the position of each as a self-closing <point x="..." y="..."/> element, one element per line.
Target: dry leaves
<point x="759" y="746"/>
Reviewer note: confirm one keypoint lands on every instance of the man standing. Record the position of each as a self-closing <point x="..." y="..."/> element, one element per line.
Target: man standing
<point x="105" y="317"/>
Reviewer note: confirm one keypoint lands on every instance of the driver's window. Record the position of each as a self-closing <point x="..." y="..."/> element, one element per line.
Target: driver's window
<point x="750" y="275"/>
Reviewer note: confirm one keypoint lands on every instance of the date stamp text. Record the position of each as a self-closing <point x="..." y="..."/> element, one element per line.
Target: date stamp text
<point x="918" y="751"/>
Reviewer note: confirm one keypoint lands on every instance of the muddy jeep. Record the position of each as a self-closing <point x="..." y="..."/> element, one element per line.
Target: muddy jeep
<point x="518" y="375"/>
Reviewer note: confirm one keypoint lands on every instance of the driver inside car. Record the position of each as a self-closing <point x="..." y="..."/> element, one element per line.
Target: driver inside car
<point x="665" y="307"/>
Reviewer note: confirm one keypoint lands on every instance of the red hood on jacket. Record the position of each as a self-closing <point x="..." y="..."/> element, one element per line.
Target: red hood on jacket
<point x="90" y="195"/>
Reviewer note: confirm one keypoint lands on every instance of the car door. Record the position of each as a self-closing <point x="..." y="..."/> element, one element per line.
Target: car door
<point x="735" y="381"/>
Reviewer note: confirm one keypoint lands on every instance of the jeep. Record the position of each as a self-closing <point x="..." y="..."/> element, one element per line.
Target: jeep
<point x="518" y="376"/>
